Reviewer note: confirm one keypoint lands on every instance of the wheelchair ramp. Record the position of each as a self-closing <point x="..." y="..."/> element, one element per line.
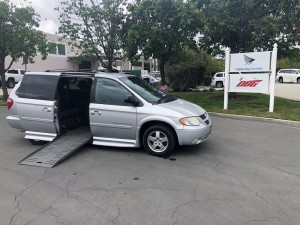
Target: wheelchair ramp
<point x="56" y="151"/>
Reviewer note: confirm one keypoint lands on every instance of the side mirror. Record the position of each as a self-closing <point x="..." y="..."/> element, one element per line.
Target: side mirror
<point x="131" y="100"/>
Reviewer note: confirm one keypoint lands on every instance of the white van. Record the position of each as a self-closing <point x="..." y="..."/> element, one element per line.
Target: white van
<point x="288" y="75"/>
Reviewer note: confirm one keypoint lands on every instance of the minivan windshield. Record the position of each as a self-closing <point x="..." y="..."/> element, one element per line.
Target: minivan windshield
<point x="146" y="91"/>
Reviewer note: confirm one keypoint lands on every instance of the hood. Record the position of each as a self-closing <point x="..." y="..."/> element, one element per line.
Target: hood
<point x="184" y="107"/>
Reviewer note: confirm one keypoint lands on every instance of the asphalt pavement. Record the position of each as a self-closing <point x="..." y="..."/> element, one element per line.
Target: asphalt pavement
<point x="247" y="172"/>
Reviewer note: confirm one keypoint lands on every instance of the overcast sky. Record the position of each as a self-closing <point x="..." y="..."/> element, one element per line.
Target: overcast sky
<point x="45" y="8"/>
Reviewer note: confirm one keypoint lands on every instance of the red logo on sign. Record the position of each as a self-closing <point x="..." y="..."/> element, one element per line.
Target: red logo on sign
<point x="248" y="83"/>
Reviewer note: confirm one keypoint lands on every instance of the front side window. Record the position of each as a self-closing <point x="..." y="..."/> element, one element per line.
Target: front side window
<point x="110" y="92"/>
<point x="293" y="72"/>
<point x="146" y="91"/>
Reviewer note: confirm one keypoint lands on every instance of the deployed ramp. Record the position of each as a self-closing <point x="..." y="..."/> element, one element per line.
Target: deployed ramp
<point x="54" y="152"/>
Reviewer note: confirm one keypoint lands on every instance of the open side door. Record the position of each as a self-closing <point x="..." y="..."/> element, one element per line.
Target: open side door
<point x="36" y="105"/>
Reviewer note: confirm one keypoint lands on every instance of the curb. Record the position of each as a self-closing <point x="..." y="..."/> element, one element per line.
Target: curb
<point x="289" y="123"/>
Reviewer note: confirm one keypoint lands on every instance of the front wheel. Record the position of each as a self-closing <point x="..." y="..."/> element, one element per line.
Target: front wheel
<point x="298" y="80"/>
<point x="159" y="140"/>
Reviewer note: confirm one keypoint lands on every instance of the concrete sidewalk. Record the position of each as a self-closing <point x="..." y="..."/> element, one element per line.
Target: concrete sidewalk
<point x="288" y="91"/>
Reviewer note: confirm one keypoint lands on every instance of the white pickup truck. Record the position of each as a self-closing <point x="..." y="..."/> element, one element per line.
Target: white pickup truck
<point x="13" y="76"/>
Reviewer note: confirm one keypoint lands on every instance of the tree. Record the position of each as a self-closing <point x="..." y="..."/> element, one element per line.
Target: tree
<point x="18" y="37"/>
<point x="251" y="25"/>
<point x="160" y="29"/>
<point x="191" y="68"/>
<point x="94" y="28"/>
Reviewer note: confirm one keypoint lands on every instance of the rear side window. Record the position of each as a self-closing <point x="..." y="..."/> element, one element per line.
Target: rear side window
<point x="219" y="75"/>
<point x="41" y="87"/>
<point x="13" y="71"/>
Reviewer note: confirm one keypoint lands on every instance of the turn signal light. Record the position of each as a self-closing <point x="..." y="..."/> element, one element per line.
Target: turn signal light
<point x="10" y="102"/>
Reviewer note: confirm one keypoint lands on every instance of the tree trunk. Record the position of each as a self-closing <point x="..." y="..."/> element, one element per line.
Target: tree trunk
<point x="109" y="66"/>
<point x="162" y="72"/>
<point x="2" y="73"/>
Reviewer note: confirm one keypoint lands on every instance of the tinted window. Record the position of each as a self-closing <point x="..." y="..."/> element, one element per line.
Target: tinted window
<point x="40" y="87"/>
<point x="219" y="75"/>
<point x="13" y="71"/>
<point x="110" y="92"/>
<point x="23" y="72"/>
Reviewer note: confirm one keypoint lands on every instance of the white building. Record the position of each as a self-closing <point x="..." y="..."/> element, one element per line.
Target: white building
<point x="61" y="53"/>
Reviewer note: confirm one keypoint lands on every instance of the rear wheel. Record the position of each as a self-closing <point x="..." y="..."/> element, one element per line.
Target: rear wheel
<point x="37" y="142"/>
<point x="159" y="140"/>
<point x="219" y="84"/>
<point x="280" y="80"/>
<point x="10" y="84"/>
<point x="298" y="80"/>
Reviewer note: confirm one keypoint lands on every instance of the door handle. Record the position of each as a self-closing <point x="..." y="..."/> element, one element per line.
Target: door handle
<point x="46" y="109"/>
<point x="96" y="113"/>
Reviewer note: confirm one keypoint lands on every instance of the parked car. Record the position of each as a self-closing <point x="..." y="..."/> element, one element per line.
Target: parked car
<point x="151" y="80"/>
<point x="288" y="75"/>
<point x="218" y="80"/>
<point x="121" y="110"/>
<point x="13" y="76"/>
<point x="156" y="75"/>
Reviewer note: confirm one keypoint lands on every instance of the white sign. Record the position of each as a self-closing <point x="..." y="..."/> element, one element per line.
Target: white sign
<point x="250" y="62"/>
<point x="250" y="83"/>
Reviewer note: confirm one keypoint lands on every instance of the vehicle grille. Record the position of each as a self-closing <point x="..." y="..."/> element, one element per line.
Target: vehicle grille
<point x="204" y="117"/>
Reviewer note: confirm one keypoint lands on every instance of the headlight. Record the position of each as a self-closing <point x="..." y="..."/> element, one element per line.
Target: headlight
<point x="190" y="121"/>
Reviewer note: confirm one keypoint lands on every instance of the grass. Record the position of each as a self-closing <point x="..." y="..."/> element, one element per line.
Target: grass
<point x="2" y="102"/>
<point x="245" y="104"/>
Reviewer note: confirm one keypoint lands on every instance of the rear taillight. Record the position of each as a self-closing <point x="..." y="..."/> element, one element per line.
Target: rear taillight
<point x="10" y="102"/>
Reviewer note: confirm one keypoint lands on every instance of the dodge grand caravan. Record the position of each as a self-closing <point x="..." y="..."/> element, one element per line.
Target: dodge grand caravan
<point x="120" y="110"/>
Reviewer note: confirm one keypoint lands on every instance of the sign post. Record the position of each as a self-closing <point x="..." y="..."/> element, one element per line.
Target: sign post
<point x="272" y="78"/>
<point x="226" y="87"/>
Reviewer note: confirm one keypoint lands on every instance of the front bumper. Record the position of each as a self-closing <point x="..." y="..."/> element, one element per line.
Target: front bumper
<point x="193" y="135"/>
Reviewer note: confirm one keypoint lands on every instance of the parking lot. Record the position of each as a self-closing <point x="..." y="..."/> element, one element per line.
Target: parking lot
<point x="247" y="172"/>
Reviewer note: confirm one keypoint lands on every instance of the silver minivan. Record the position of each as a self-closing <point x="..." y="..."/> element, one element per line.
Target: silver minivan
<point x="120" y="110"/>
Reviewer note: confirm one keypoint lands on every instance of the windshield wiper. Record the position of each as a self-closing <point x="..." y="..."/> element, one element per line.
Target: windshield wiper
<point x="162" y="98"/>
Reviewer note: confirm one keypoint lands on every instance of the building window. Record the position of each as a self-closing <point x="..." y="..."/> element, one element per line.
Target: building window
<point x="52" y="48"/>
<point x="61" y="49"/>
<point x="136" y="64"/>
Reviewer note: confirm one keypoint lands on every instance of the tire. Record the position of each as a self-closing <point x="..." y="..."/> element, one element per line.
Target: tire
<point x="219" y="84"/>
<point x="10" y="84"/>
<point x="298" y="80"/>
<point x="159" y="140"/>
<point x="37" y="142"/>
<point x="280" y="80"/>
